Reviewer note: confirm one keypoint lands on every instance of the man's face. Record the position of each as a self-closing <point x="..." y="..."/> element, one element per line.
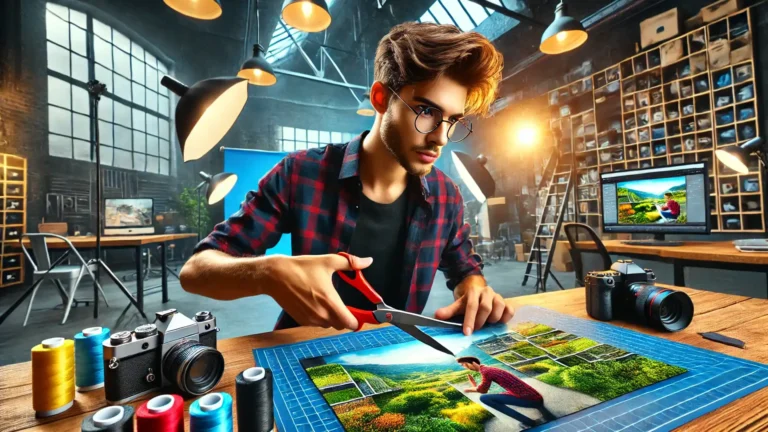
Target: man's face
<point x="470" y="366"/>
<point x="416" y="151"/>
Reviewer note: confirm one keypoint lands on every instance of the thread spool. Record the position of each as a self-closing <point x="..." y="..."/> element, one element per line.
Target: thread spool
<point x="110" y="419"/>
<point x="211" y="413"/>
<point x="253" y="391"/>
<point x="53" y="376"/>
<point x="164" y="413"/>
<point x="89" y="358"/>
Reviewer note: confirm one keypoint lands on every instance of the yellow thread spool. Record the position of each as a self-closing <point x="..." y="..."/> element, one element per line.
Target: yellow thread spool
<point x="53" y="376"/>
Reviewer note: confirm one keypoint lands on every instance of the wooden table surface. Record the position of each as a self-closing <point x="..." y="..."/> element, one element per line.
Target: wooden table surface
<point x="114" y="241"/>
<point x="721" y="251"/>
<point x="735" y="316"/>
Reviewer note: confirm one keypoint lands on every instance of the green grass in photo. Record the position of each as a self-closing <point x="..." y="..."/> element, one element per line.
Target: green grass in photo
<point x="571" y="347"/>
<point x="342" y="395"/>
<point x="326" y="375"/>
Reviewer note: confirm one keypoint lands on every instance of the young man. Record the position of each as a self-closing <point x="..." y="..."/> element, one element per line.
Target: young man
<point x="670" y="210"/>
<point x="376" y="197"/>
<point x="516" y="391"/>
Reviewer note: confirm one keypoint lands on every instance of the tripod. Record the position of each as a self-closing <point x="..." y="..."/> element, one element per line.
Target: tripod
<point x="95" y="89"/>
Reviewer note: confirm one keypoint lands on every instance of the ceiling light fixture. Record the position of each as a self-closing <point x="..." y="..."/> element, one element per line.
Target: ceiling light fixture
<point x="200" y="9"/>
<point x="257" y="70"/>
<point x="307" y="15"/>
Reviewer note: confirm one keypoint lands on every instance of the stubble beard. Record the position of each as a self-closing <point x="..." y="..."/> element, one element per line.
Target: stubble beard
<point x="394" y="145"/>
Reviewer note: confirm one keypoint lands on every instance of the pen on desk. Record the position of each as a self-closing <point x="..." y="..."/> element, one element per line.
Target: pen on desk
<point x="717" y="337"/>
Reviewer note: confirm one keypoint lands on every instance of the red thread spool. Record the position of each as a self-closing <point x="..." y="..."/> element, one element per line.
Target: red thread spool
<point x="164" y="413"/>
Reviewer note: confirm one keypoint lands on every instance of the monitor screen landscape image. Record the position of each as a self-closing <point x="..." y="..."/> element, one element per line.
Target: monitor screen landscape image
<point x="133" y="212"/>
<point x="652" y="201"/>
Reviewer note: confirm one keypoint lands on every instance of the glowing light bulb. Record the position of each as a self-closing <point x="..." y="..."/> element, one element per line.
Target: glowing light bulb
<point x="527" y="135"/>
<point x="306" y="8"/>
<point x="562" y="36"/>
<point x="257" y="72"/>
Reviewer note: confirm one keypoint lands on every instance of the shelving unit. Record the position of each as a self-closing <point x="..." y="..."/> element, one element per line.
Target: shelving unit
<point x="13" y="213"/>
<point x="672" y="104"/>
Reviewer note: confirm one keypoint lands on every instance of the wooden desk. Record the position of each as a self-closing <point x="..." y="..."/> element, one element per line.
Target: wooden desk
<point x="731" y="315"/>
<point x="115" y="242"/>
<point x="720" y="255"/>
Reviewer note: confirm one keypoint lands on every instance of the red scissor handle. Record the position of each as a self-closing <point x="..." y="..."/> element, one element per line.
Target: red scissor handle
<point x="360" y="283"/>
<point x="363" y="316"/>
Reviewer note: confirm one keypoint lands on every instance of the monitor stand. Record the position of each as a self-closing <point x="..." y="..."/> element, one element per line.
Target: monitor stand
<point x="658" y="240"/>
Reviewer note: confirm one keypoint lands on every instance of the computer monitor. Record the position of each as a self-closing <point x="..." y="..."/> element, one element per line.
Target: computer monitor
<point x="129" y="216"/>
<point x="664" y="200"/>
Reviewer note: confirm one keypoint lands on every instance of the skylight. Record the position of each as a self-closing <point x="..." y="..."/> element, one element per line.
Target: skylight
<point x="464" y="14"/>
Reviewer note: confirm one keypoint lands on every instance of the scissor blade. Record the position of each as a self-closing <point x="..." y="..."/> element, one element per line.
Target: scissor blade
<point x="425" y="338"/>
<point x="408" y="318"/>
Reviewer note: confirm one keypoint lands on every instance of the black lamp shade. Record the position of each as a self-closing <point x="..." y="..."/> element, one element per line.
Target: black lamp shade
<point x="564" y="34"/>
<point x="219" y="186"/>
<point x="257" y="69"/>
<point x="206" y="111"/>
<point x="200" y="9"/>
<point x="475" y="176"/>
<point x="307" y="15"/>
<point x="736" y="157"/>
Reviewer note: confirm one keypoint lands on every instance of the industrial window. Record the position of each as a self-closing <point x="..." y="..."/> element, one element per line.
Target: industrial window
<point x="134" y="113"/>
<point x="292" y="139"/>
<point x="464" y="14"/>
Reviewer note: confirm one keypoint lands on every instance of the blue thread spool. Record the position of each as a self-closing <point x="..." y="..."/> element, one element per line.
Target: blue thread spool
<point x="211" y="413"/>
<point x="89" y="358"/>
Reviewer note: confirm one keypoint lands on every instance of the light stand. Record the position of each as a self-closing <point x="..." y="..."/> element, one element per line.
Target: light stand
<point x="95" y="89"/>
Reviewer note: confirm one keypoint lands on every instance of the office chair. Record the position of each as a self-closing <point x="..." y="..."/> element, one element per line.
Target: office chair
<point x="44" y="270"/>
<point x="588" y="252"/>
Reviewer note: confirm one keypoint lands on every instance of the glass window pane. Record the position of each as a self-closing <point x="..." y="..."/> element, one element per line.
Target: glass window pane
<point x="458" y="14"/>
<point x="102" y="30"/>
<point x="105" y="109"/>
<point x="152" y="164"/>
<point x="151" y="124"/>
<point x="81" y="103"/>
<point x="77" y="36"/>
<point x="476" y="11"/>
<point x="138" y="94"/>
<point x="138" y="70"/>
<point x="152" y="145"/>
<point x="440" y="14"/>
<point x="150" y="59"/>
<point x="59" y="146"/>
<point x="347" y="137"/>
<point x="139" y="121"/>
<point x="161" y="67"/>
<point x="122" y="87"/>
<point x="82" y="150"/>
<point x="122" y="114"/>
<point x="139" y="161"/>
<point x="102" y="52"/>
<point x="123" y="138"/>
<point x="59" y="120"/>
<point x="122" y="63"/>
<point x="151" y="101"/>
<point x="151" y="78"/>
<point x="336" y="137"/>
<point x="325" y="137"/>
<point x="120" y="41"/>
<point x="105" y="133"/>
<point x="81" y="126"/>
<point x="60" y="11"/>
<point x="58" y="59"/>
<point x="137" y="51"/>
<point x="139" y="142"/>
<point x="123" y="159"/>
<point x="288" y="146"/>
<point x="427" y="17"/>
<point x="301" y="134"/>
<point x="57" y="29"/>
<point x="163" y="103"/>
<point x="59" y="92"/>
<point x="160" y="87"/>
<point x="164" y="128"/>
<point x="106" y="155"/>
<point x="78" y="18"/>
<point x="164" y="163"/>
<point x="105" y="76"/>
<point x="79" y="68"/>
<point x="288" y="133"/>
<point x="312" y="136"/>
<point x="165" y="149"/>
<point x="301" y="145"/>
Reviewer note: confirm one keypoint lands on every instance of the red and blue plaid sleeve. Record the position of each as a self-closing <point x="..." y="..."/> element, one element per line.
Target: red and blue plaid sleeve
<point x="487" y="380"/>
<point x="261" y="221"/>
<point x="458" y="259"/>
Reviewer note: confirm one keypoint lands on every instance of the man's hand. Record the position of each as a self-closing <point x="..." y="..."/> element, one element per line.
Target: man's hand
<point x="302" y="286"/>
<point x="479" y="304"/>
<point x="471" y="390"/>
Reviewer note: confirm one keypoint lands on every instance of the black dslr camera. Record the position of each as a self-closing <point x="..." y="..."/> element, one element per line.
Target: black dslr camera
<point x="174" y="352"/>
<point x="627" y="291"/>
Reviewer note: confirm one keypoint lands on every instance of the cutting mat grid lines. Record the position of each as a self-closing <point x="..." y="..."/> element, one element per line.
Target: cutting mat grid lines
<point x="712" y="380"/>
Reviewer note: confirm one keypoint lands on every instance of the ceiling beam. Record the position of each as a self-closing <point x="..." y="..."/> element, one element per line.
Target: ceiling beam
<point x="510" y="13"/>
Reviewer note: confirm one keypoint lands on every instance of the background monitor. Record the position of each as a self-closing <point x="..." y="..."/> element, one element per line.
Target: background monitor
<point x="664" y="200"/>
<point x="128" y="216"/>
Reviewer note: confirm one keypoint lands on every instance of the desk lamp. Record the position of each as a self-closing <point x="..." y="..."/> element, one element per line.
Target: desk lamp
<point x="736" y="157"/>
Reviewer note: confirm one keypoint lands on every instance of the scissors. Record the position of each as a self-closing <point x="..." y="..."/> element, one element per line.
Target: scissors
<point x="384" y="313"/>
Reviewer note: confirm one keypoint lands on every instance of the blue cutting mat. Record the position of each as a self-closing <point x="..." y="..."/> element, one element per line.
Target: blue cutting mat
<point x="712" y="380"/>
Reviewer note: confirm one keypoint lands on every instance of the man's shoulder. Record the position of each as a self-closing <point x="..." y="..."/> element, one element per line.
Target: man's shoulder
<point x="440" y="184"/>
<point x="310" y="162"/>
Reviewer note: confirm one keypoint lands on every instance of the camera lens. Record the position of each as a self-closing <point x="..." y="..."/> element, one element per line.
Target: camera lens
<point x="194" y="368"/>
<point x="662" y="308"/>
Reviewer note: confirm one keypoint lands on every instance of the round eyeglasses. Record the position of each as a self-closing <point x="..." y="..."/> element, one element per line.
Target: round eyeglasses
<point x="428" y="119"/>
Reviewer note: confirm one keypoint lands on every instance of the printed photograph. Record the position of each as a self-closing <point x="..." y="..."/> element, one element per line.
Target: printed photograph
<point x="502" y="379"/>
<point x="652" y="201"/>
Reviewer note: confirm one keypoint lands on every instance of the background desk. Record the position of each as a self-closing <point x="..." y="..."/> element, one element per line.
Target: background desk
<point x="734" y="316"/>
<point x="718" y="255"/>
<point x="137" y="243"/>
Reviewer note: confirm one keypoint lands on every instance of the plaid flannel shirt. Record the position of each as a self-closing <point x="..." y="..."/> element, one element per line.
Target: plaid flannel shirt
<point x="314" y="195"/>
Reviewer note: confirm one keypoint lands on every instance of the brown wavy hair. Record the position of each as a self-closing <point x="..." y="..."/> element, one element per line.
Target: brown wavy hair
<point x="415" y="52"/>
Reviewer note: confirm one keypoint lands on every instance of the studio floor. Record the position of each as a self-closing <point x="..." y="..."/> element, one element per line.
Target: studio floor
<point x="237" y="318"/>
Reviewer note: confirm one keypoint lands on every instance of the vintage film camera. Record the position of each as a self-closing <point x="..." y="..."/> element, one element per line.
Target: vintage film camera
<point x="627" y="291"/>
<point x="175" y="352"/>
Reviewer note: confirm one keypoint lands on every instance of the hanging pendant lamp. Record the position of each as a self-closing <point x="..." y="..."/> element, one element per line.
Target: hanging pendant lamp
<point x="564" y="34"/>
<point x="365" y="108"/>
<point x="307" y="15"/>
<point x="200" y="9"/>
<point x="257" y="69"/>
